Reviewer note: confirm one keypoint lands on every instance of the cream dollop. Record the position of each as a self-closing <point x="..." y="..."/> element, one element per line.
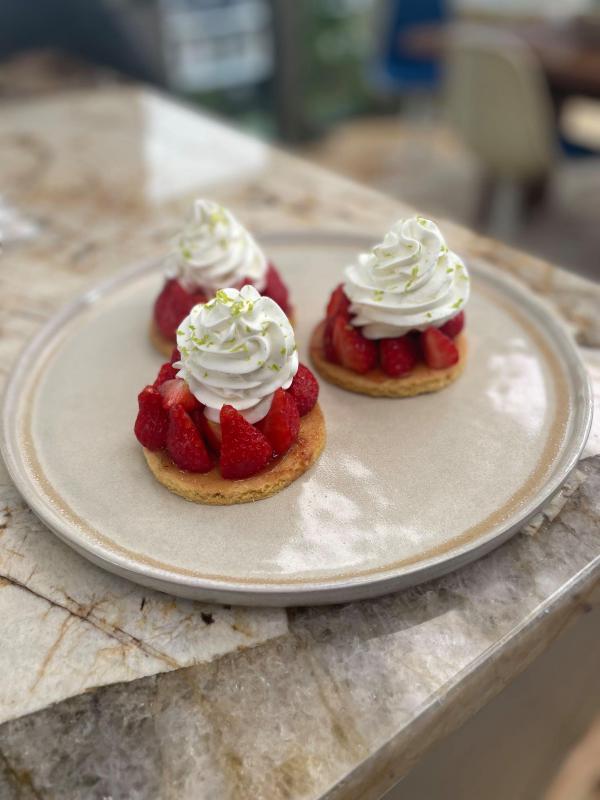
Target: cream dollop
<point x="410" y="281"/>
<point x="237" y="349"/>
<point x="214" y="250"/>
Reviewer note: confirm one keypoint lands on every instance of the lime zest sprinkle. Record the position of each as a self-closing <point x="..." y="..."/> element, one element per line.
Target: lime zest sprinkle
<point x="274" y="367"/>
<point x="450" y="270"/>
<point x="378" y="295"/>
<point x="429" y="315"/>
<point x="457" y="304"/>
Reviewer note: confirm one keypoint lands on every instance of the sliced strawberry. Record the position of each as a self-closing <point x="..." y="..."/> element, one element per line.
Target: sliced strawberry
<point x="304" y="390"/>
<point x="185" y="445"/>
<point x="165" y="373"/>
<point x="175" y="355"/>
<point x="454" y="326"/>
<point x="152" y="420"/>
<point x="439" y="350"/>
<point x="328" y="348"/>
<point x="244" y="449"/>
<point x="177" y="392"/>
<point x="211" y="432"/>
<point x="398" y="356"/>
<point x="282" y="423"/>
<point x="338" y="303"/>
<point x="276" y="289"/>
<point x="352" y="349"/>
<point x="172" y="305"/>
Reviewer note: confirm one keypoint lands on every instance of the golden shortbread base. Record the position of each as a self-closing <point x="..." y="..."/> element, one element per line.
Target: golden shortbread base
<point x="161" y="343"/>
<point x="212" y="489"/>
<point x="165" y="346"/>
<point x="376" y="383"/>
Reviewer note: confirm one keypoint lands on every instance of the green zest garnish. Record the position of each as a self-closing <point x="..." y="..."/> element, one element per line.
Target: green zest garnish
<point x="378" y="295"/>
<point x="457" y="304"/>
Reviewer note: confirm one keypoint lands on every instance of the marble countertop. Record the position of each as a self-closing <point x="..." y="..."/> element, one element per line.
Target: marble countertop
<point x="332" y="702"/>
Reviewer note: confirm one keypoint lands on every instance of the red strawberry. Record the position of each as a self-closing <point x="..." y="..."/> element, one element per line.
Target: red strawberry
<point x="454" y="326"/>
<point x="304" y="390"/>
<point x="352" y="349"/>
<point x="177" y="392"/>
<point x="282" y="423"/>
<point x="328" y="348"/>
<point x="439" y="350"/>
<point x="210" y="431"/>
<point x="276" y="289"/>
<point x="398" y="356"/>
<point x="244" y="449"/>
<point x="185" y="444"/>
<point x="152" y="420"/>
<point x="338" y="303"/>
<point x="165" y="373"/>
<point x="175" y="355"/>
<point x="172" y="305"/>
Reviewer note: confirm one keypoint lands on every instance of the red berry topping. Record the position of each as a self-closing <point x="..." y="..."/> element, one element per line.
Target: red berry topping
<point x="185" y="444"/>
<point x="328" y="347"/>
<point x="398" y="356"/>
<point x="165" y="373"/>
<point x="175" y="355"/>
<point x="276" y="289"/>
<point x="152" y="420"/>
<point x="304" y="390"/>
<point x="244" y="449"/>
<point x="439" y="350"/>
<point x="172" y="305"/>
<point x="177" y="392"/>
<point x="352" y="349"/>
<point x="454" y="326"/>
<point x="210" y="431"/>
<point x="282" y="423"/>
<point x="338" y="303"/>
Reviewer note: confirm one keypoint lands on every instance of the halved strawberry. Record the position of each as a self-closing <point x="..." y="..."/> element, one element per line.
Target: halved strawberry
<point x="172" y="305"/>
<point x="210" y="431"/>
<point x="398" y="356"/>
<point x="439" y="350"/>
<point x="454" y="326"/>
<point x="185" y="445"/>
<point x="304" y="390"/>
<point x="338" y="303"/>
<point x="282" y="423"/>
<point x="165" y="373"/>
<point x="276" y="289"/>
<point x="177" y="392"/>
<point x="244" y="449"/>
<point x="152" y="420"/>
<point x="328" y="348"/>
<point x="354" y="351"/>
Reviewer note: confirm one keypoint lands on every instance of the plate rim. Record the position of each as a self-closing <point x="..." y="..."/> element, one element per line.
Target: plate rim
<point x="307" y="592"/>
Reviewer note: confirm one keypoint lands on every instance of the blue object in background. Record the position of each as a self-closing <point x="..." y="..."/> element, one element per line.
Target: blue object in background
<point x="395" y="70"/>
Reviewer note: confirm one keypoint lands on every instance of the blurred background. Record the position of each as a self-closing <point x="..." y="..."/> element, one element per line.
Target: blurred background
<point x="483" y="111"/>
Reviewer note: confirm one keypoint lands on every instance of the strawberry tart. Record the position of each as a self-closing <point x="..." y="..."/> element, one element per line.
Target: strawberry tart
<point x="212" y="250"/>
<point x="233" y="417"/>
<point x="394" y="328"/>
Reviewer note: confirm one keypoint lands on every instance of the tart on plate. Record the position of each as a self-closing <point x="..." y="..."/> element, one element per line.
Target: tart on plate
<point x="395" y="327"/>
<point x="212" y="250"/>
<point x="233" y="417"/>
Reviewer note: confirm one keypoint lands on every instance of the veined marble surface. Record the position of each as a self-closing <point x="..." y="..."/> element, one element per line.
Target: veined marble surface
<point x="348" y="697"/>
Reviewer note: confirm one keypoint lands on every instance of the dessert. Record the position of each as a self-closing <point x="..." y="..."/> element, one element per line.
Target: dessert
<point x="394" y="328"/>
<point x="233" y="417"/>
<point x="212" y="250"/>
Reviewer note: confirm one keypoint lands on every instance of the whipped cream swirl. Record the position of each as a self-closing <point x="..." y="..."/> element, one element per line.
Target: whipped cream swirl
<point x="410" y="281"/>
<point x="214" y="250"/>
<point x="237" y="349"/>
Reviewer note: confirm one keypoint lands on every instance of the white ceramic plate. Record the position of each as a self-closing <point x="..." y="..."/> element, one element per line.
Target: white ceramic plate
<point x="405" y="490"/>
